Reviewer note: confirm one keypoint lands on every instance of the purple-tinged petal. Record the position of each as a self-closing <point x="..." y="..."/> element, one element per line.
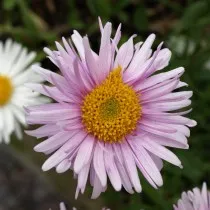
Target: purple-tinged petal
<point x="111" y="168"/>
<point x="124" y="54"/>
<point x="131" y="166"/>
<point x="99" y="165"/>
<point x="84" y="153"/>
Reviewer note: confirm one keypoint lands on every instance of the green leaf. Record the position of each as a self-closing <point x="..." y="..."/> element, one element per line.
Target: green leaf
<point x="27" y="16"/>
<point x="193" y="13"/>
<point x="9" y="4"/>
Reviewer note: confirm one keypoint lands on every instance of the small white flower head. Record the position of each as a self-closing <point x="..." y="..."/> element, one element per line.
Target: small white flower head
<point x="15" y="71"/>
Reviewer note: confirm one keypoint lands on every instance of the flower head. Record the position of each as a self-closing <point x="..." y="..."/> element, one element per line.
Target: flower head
<point x="112" y="114"/>
<point x="14" y="72"/>
<point x="194" y="200"/>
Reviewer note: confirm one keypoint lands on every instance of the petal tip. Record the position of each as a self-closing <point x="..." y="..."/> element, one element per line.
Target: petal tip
<point x="45" y="167"/>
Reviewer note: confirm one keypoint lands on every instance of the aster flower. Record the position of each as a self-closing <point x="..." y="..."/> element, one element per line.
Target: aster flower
<point x="194" y="200"/>
<point x="112" y="115"/>
<point x="14" y="72"/>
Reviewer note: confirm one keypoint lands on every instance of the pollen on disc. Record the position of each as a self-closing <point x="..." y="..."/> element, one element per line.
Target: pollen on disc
<point x="6" y="90"/>
<point x="111" y="111"/>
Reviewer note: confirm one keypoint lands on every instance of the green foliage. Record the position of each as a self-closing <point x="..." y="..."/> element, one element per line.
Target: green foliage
<point x="9" y="4"/>
<point x="38" y="25"/>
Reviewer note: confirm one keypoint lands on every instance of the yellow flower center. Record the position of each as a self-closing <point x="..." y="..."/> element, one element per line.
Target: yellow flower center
<point x="111" y="111"/>
<point x="6" y="90"/>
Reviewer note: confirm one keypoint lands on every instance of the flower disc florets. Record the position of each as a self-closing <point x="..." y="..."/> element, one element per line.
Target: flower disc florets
<point x="6" y="90"/>
<point x="112" y="109"/>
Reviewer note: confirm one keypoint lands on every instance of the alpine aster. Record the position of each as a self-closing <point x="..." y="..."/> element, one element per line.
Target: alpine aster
<point x="14" y="72"/>
<point x="194" y="200"/>
<point x="112" y="114"/>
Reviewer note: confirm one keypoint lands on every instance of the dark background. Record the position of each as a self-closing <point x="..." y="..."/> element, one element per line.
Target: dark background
<point x="183" y="25"/>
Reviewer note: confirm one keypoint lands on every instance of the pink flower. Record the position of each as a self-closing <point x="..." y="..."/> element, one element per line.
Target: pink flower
<point x="113" y="114"/>
<point x="194" y="200"/>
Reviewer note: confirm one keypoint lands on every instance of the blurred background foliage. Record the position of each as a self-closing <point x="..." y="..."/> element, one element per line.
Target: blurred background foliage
<point x="183" y="25"/>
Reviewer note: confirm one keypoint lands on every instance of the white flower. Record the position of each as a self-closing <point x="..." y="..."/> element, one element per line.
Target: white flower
<point x="15" y="71"/>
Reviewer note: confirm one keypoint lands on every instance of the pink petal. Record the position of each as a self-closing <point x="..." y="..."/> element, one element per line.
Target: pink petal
<point x="160" y="62"/>
<point x="45" y="130"/>
<point x="153" y="80"/>
<point x="52" y="92"/>
<point x="148" y="164"/>
<point x="53" y="160"/>
<point x="182" y="84"/>
<point x="83" y="176"/>
<point x="124" y="54"/>
<point x="174" y="136"/>
<point x="170" y="97"/>
<point x="99" y="165"/>
<point x="122" y="171"/>
<point x="64" y="151"/>
<point x="97" y="188"/>
<point x="144" y="172"/>
<point x="104" y="60"/>
<point x="117" y="35"/>
<point x="84" y="153"/>
<point x="77" y="39"/>
<point x="168" y="142"/>
<point x="50" y="116"/>
<point x="142" y="70"/>
<point x="157" y="126"/>
<point x="100" y="25"/>
<point x="75" y="142"/>
<point x="157" y="161"/>
<point x="161" y="152"/>
<point x="54" y="142"/>
<point x="47" y="75"/>
<point x="141" y="56"/>
<point x="183" y="129"/>
<point x="169" y="106"/>
<point x="131" y="166"/>
<point x="91" y="62"/>
<point x="111" y="168"/>
<point x="158" y="92"/>
<point x="63" y="166"/>
<point x="168" y="119"/>
<point x="68" y="47"/>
